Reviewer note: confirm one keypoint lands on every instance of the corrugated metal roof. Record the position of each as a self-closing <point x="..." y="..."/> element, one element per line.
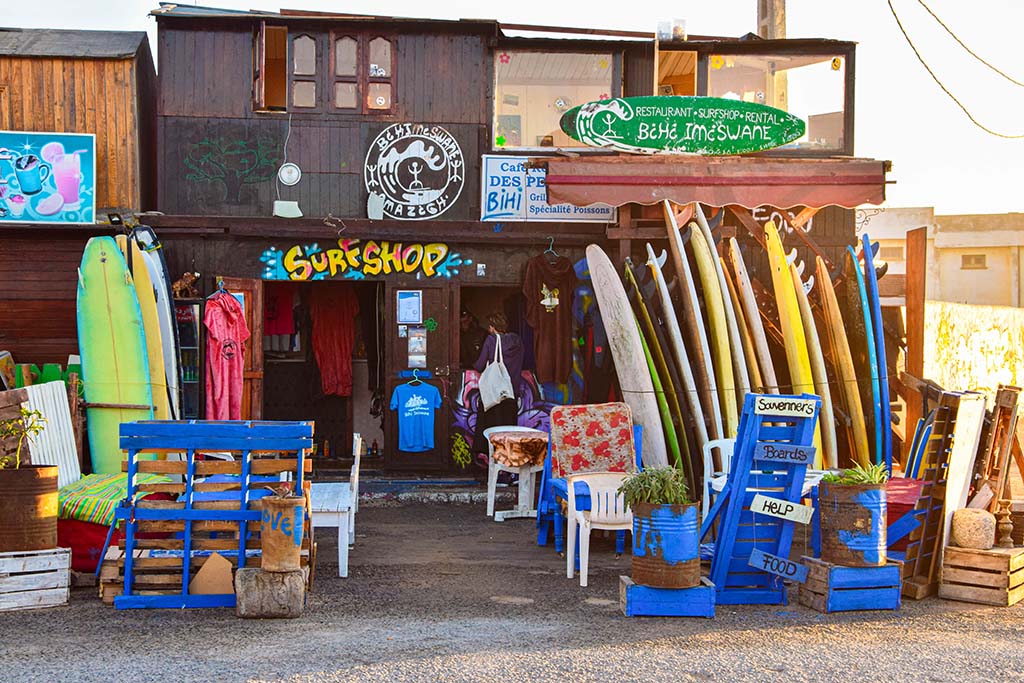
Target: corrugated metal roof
<point x="45" y="42"/>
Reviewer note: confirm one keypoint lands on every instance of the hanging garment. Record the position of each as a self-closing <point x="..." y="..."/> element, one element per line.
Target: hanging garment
<point x="548" y="288"/>
<point x="415" y="404"/>
<point x="279" y="308"/>
<point x="226" y="334"/>
<point x="333" y="308"/>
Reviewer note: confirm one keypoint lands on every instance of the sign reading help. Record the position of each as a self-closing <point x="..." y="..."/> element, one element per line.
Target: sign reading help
<point x="783" y="509"/>
<point x="782" y="406"/>
<point x="778" y="566"/>
<point x="767" y="451"/>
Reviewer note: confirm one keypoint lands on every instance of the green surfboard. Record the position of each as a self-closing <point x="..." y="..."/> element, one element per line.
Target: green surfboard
<point x="681" y="125"/>
<point x="112" y="343"/>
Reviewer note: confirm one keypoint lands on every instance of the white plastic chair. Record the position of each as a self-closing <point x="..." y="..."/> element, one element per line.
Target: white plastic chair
<point x="524" y="506"/>
<point x="608" y="510"/>
<point x="333" y="504"/>
<point x="725" y="448"/>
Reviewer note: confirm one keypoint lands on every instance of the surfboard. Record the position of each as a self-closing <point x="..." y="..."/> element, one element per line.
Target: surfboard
<point x="869" y="335"/>
<point x="693" y="321"/>
<point x="859" y="449"/>
<point x="745" y="292"/>
<point x="112" y="344"/>
<point x="749" y="353"/>
<point x="739" y="361"/>
<point x="874" y="301"/>
<point x="150" y="322"/>
<point x="664" y="391"/>
<point x="717" y="332"/>
<point x="827" y="419"/>
<point x="678" y="348"/>
<point x="158" y="274"/>
<point x="794" y="341"/>
<point x="628" y="354"/>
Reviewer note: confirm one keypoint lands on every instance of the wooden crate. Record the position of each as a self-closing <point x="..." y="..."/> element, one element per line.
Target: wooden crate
<point x="831" y="588"/>
<point x="32" y="579"/>
<point x="643" y="601"/>
<point x="987" y="577"/>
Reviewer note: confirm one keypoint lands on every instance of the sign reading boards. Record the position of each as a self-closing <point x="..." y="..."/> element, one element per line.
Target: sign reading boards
<point x="782" y="406"/>
<point x="509" y="191"/>
<point x="770" y="451"/>
<point x="47" y="177"/>
<point x="773" y="564"/>
<point x="783" y="509"/>
<point x="681" y="125"/>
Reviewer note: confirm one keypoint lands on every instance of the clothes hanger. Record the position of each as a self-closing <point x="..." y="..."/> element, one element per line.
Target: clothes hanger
<point x="220" y="289"/>
<point x="415" y="378"/>
<point x="550" y="251"/>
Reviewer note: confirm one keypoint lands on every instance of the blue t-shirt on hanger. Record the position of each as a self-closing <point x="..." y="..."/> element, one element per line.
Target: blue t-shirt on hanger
<point x="415" y="404"/>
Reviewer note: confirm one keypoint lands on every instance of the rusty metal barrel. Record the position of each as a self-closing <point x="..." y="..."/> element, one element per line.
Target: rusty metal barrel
<point x="666" y="545"/>
<point x="281" y="533"/>
<point x="853" y="524"/>
<point x="28" y="508"/>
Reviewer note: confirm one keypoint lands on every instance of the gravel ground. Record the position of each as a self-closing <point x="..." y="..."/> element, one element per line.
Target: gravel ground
<point x="439" y="593"/>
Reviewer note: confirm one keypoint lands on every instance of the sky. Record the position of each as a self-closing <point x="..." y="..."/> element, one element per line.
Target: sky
<point x="939" y="158"/>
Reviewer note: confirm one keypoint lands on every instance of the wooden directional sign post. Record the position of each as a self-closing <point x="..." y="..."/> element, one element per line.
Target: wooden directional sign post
<point x="779" y="566"/>
<point x="783" y="509"/>
<point x="768" y="451"/>
<point x="681" y="125"/>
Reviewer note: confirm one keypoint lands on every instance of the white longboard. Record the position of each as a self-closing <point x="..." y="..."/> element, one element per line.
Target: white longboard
<point x="628" y="354"/>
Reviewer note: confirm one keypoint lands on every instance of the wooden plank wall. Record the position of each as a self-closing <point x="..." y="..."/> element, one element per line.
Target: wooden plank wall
<point x="81" y="96"/>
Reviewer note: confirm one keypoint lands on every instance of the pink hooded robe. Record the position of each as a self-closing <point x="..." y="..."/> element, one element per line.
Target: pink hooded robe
<point x="226" y="334"/>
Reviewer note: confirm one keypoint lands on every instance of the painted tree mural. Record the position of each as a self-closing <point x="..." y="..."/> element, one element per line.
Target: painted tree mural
<point x="233" y="163"/>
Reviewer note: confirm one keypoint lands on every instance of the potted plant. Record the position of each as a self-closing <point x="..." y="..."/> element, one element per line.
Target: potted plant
<point x="665" y="529"/>
<point x="28" y="506"/>
<point x="852" y="513"/>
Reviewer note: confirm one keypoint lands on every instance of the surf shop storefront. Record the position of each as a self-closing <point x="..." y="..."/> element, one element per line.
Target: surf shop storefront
<point x="409" y="299"/>
<point x="757" y="252"/>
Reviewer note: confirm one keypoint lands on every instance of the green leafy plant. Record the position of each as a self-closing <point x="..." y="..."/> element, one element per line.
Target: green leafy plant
<point x="28" y="425"/>
<point x="656" y="486"/>
<point x="858" y="476"/>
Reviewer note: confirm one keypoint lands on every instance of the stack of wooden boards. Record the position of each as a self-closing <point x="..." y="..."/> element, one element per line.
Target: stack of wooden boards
<point x="691" y="339"/>
<point x="127" y="339"/>
<point x="215" y="511"/>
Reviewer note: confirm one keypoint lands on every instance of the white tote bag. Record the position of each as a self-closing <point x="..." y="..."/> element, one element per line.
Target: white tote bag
<point x="495" y="384"/>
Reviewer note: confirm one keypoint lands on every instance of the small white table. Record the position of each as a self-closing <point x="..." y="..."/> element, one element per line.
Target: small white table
<point x="331" y="505"/>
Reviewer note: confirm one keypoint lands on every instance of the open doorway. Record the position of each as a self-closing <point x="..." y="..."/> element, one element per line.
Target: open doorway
<point x="323" y="361"/>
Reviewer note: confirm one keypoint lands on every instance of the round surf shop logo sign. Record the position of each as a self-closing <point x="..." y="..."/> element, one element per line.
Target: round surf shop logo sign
<point x="413" y="172"/>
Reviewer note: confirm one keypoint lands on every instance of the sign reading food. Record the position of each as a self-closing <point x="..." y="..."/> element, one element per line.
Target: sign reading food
<point x="681" y="125"/>
<point x="47" y="177"/>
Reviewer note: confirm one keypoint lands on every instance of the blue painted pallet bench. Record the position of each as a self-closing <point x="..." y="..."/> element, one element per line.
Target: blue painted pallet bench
<point x="643" y="601"/>
<point x="831" y="588"/>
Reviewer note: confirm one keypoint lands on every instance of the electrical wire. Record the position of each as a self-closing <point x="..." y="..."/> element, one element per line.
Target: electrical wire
<point x="969" y="50"/>
<point x="942" y="85"/>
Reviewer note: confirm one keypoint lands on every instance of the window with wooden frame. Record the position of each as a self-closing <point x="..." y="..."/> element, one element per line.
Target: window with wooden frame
<point x="270" y="69"/>
<point x="304" y="77"/>
<point x="973" y="262"/>
<point x="362" y="73"/>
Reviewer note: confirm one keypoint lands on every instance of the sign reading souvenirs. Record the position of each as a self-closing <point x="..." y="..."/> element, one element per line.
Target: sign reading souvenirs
<point x="47" y="177"/>
<point x="509" y="191"/>
<point x="681" y="125"/>
<point x="413" y="172"/>
<point x="354" y="259"/>
<point x="784" y="406"/>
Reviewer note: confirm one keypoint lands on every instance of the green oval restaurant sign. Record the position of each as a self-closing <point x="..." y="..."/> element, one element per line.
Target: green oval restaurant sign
<point x="681" y="125"/>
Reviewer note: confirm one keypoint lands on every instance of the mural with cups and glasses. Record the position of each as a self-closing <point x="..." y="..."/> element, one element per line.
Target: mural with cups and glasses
<point x="47" y="177"/>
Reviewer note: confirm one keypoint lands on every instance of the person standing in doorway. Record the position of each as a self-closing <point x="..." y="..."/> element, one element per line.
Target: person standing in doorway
<point x="505" y="413"/>
<point x="471" y="339"/>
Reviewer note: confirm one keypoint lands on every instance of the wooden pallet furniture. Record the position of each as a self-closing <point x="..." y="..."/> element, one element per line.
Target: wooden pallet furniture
<point x="217" y="506"/>
<point x="644" y="601"/>
<point x="33" y="579"/>
<point x="772" y="452"/>
<point x="832" y="588"/>
<point x="947" y="464"/>
<point x="987" y="577"/>
<point x="992" y="469"/>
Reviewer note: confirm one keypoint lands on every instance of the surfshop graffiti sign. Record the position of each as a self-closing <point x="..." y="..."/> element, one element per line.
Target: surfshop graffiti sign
<point x="354" y="259"/>
<point x="47" y="177"/>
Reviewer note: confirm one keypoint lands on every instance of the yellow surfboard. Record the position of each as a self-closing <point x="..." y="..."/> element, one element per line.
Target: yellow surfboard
<point x="749" y="353"/>
<point x="151" y="324"/>
<point x="718" y="332"/>
<point x="826" y="419"/>
<point x="859" y="448"/>
<point x="795" y="343"/>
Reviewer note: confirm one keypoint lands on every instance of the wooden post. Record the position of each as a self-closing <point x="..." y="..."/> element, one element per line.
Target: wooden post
<point x="77" y="415"/>
<point x="916" y="283"/>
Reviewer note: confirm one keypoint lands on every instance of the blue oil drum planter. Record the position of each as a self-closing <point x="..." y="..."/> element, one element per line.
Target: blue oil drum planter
<point x="853" y="524"/>
<point x="666" y="545"/>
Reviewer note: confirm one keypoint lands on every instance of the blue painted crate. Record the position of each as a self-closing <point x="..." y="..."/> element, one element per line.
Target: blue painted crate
<point x="643" y="601"/>
<point x="831" y="588"/>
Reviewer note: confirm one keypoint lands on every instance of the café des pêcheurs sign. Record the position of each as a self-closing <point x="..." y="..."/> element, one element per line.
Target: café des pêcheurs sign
<point x="47" y="177"/>
<point x="509" y="191"/>
<point x="712" y="126"/>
